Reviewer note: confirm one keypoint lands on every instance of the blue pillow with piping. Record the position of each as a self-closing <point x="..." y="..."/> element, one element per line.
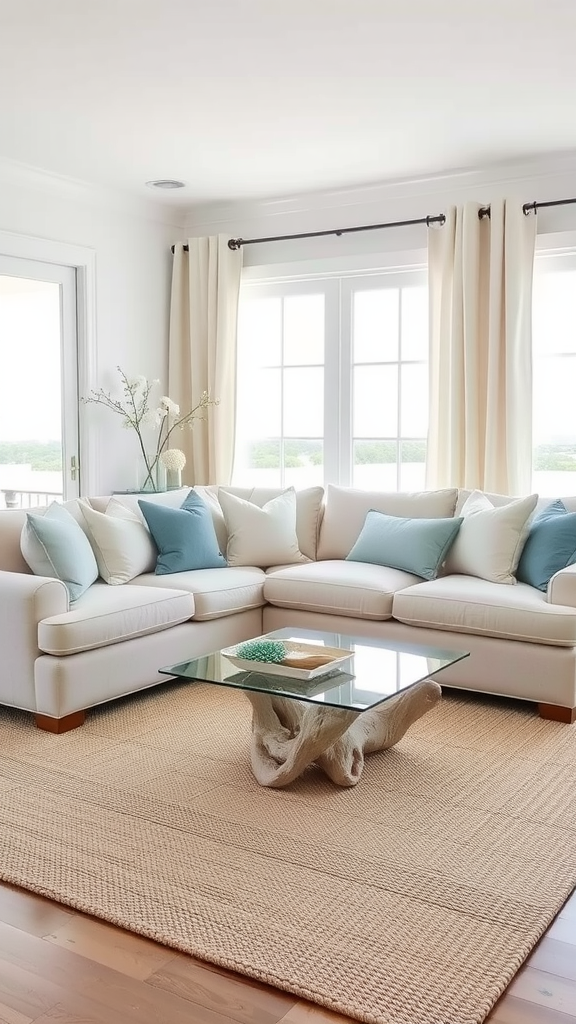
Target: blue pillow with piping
<point x="185" y="536"/>
<point x="418" y="546"/>
<point x="550" y="545"/>
<point x="53" y="544"/>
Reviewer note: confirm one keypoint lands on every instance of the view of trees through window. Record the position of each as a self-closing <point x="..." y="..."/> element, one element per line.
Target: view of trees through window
<point x="269" y="454"/>
<point x="41" y="456"/>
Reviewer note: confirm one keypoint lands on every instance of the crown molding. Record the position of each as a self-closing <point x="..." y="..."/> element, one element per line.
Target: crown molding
<point x="513" y="175"/>
<point x="539" y="172"/>
<point x="19" y="175"/>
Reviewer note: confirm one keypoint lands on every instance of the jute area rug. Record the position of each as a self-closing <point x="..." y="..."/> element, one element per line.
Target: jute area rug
<point x="412" y="898"/>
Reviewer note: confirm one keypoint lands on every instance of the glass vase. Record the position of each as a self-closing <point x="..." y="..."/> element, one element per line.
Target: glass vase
<point x="152" y="482"/>
<point x="173" y="478"/>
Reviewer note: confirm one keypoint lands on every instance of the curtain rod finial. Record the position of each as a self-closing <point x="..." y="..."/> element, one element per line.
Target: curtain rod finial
<point x="234" y="243"/>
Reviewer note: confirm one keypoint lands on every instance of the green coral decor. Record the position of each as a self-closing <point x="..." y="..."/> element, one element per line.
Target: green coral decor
<point x="262" y="650"/>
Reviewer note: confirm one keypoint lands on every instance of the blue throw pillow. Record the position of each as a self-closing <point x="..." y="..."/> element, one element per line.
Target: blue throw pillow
<point x="550" y="545"/>
<point x="185" y="536"/>
<point x="418" y="546"/>
<point x="54" y="545"/>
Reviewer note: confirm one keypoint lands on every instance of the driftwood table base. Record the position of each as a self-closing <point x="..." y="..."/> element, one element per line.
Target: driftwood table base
<point x="288" y="735"/>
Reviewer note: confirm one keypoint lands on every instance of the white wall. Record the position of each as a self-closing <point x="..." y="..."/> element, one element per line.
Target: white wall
<point x="131" y="240"/>
<point x="538" y="179"/>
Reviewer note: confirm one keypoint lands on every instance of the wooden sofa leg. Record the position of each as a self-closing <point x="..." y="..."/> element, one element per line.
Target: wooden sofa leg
<point x="60" y="724"/>
<point x="557" y="714"/>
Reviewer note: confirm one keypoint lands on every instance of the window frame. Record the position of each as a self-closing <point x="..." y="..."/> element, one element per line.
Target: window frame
<point x="338" y="280"/>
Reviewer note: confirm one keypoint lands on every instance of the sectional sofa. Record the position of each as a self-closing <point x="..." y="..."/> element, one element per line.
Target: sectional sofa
<point x="60" y="658"/>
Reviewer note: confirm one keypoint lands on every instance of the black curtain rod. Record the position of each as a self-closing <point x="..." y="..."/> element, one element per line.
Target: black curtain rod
<point x="484" y="211"/>
<point x="235" y="243"/>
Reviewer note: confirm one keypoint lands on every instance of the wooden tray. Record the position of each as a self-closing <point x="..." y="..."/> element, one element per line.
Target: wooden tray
<point x="295" y="651"/>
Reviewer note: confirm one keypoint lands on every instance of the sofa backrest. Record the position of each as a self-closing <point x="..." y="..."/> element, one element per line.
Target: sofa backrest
<point x="346" y="508"/>
<point x="325" y="530"/>
<point x="130" y="500"/>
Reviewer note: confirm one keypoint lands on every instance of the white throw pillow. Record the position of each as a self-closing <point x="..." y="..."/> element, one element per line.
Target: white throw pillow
<point x="121" y="542"/>
<point x="209" y="494"/>
<point x="490" y="540"/>
<point x="261" y="536"/>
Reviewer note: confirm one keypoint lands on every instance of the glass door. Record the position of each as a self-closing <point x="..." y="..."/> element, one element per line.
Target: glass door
<point x="38" y="383"/>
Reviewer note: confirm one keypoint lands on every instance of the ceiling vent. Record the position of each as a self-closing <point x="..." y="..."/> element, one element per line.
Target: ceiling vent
<point x="166" y="183"/>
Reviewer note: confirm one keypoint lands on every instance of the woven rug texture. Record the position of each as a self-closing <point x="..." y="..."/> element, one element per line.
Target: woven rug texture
<point x="412" y="898"/>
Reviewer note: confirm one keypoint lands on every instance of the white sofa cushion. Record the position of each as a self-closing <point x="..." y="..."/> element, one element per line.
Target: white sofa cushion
<point x="261" y="536"/>
<point x="346" y="509"/>
<point x="217" y="592"/>
<point x="490" y="539"/>
<point x="357" y="589"/>
<point x="465" y="604"/>
<point x="120" y="540"/>
<point x="308" y="510"/>
<point x="108" y="615"/>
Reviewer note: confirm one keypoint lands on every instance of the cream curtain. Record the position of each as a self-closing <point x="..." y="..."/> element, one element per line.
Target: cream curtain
<point x="202" y="352"/>
<point x="480" y="284"/>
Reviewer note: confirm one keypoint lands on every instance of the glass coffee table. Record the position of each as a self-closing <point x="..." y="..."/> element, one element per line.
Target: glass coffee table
<point x="331" y="717"/>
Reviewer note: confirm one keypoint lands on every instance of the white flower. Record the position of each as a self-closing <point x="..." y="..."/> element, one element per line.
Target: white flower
<point x="138" y="383"/>
<point x="173" y="459"/>
<point x="171" y="408"/>
<point x="152" y="418"/>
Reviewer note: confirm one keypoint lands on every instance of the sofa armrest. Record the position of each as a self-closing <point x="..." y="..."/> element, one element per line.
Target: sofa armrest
<point x="562" y="587"/>
<point x="25" y="600"/>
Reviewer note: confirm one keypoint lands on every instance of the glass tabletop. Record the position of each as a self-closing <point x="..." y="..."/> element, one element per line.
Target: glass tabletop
<point x="376" y="671"/>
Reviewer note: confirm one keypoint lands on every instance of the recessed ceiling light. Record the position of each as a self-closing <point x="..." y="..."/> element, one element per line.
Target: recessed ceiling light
<point x="166" y="183"/>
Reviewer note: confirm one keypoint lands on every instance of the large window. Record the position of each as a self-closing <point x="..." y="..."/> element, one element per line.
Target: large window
<point x="554" y="375"/>
<point x="333" y="381"/>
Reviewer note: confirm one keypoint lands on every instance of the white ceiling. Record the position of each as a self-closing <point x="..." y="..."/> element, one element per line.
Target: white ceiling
<point x="256" y="98"/>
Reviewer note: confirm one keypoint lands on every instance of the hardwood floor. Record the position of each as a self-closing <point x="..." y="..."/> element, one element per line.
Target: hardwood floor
<point x="62" y="967"/>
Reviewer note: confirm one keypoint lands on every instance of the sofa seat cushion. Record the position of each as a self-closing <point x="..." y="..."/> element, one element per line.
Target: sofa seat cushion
<point x="357" y="589"/>
<point x="217" y="592"/>
<point x="108" y="615"/>
<point x="465" y="604"/>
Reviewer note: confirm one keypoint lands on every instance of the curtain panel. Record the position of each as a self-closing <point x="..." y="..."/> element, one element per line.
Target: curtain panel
<point x="202" y="352"/>
<point x="480" y="287"/>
